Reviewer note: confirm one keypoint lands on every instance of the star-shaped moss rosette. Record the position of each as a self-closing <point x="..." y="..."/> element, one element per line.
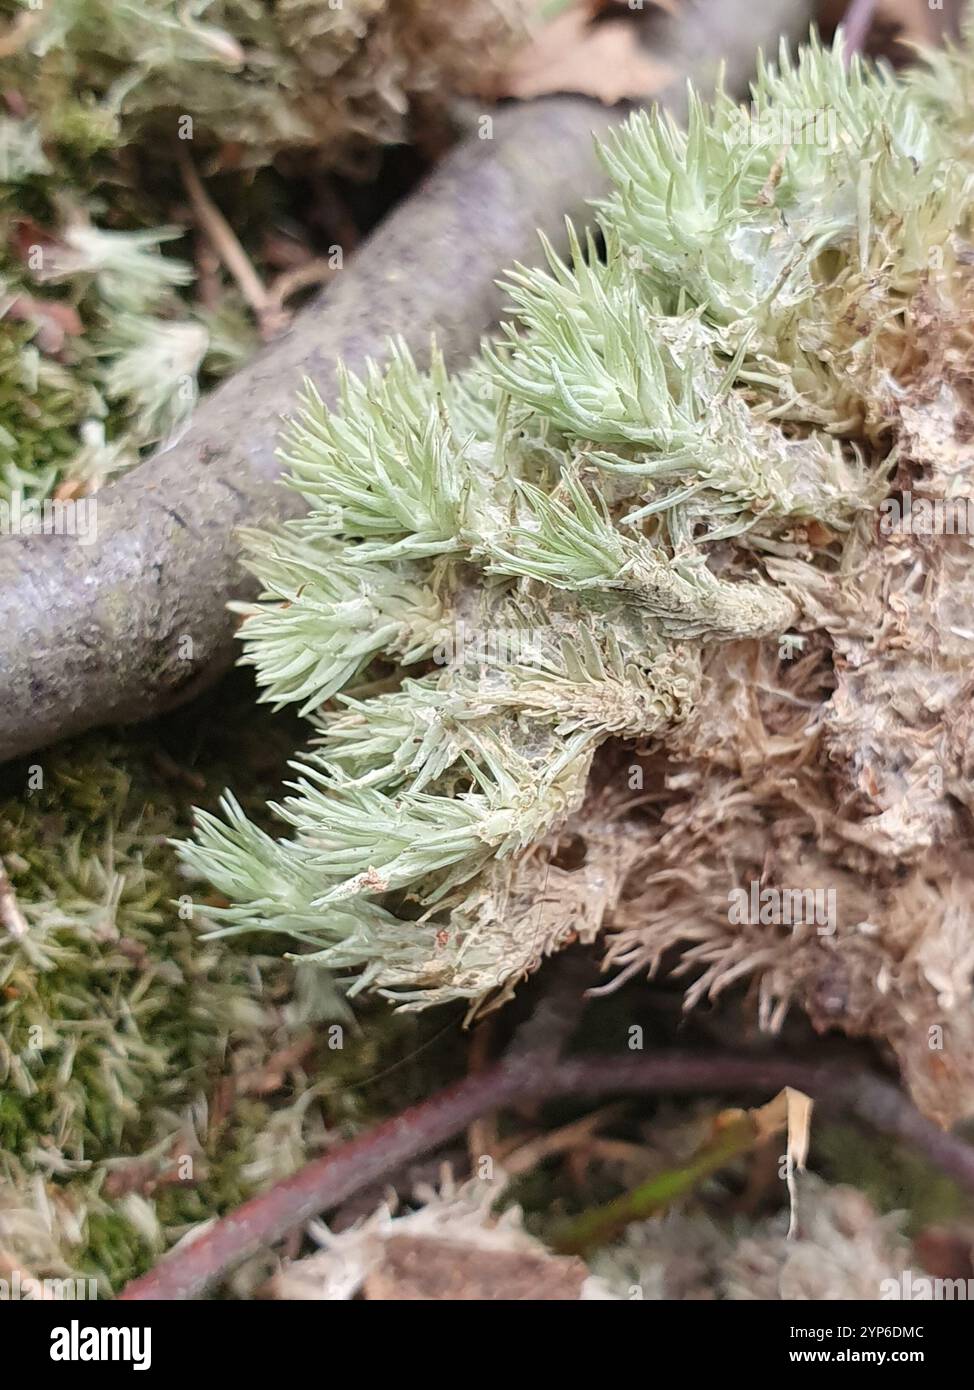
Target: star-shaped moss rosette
<point x="504" y="569"/>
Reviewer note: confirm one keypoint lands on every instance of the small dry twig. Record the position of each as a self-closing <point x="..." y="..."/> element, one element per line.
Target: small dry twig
<point x="267" y="307"/>
<point x="856" y="24"/>
<point x="299" y="277"/>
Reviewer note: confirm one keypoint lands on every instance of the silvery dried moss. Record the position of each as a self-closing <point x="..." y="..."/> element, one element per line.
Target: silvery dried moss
<point x="502" y="569"/>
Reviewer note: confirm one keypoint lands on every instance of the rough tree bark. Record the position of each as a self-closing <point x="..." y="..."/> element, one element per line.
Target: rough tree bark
<point x="136" y="622"/>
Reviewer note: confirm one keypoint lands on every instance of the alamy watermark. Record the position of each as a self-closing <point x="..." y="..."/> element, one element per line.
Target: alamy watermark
<point x="50" y="516"/>
<point x="922" y="1288"/>
<point x="784" y="125"/>
<point x="906" y="515"/>
<point x="27" y="1288"/>
<point x="466" y="644"/>
<point x="788" y="907"/>
<point x="80" y="1343"/>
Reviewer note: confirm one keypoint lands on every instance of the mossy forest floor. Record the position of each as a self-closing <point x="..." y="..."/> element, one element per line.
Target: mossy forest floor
<point x="154" y="1079"/>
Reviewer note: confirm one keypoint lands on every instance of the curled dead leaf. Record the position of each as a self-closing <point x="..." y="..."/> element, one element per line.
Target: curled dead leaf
<point x="606" y="60"/>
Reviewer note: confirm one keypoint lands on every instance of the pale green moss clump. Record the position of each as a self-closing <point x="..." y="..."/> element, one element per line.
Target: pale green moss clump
<point x="333" y="79"/>
<point x="115" y="1028"/>
<point x="148" y="1081"/>
<point x="504" y="568"/>
<point x="104" y="346"/>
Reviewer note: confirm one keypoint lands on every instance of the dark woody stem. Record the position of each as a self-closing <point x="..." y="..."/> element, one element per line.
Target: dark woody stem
<point x="529" y="1073"/>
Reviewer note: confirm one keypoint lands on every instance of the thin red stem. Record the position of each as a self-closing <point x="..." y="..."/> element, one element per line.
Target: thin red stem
<point x="374" y="1156"/>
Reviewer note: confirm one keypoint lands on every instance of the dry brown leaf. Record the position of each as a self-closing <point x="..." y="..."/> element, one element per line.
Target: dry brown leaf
<point x="799" y="1132"/>
<point x="571" y="54"/>
<point x="423" y="1269"/>
<point x="453" y="1248"/>
<point x="790" y="1110"/>
<point x="916" y="21"/>
<point x="799" y="1127"/>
